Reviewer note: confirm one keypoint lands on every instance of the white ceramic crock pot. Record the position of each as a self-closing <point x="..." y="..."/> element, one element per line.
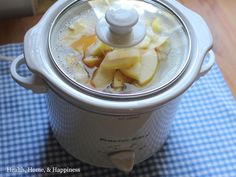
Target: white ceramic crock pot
<point x="110" y="130"/>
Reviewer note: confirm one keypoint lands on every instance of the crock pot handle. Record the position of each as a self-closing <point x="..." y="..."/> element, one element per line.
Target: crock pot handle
<point x="208" y="64"/>
<point x="33" y="82"/>
<point x="204" y="39"/>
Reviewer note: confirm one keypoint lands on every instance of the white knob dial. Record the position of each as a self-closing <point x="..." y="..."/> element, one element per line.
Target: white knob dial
<point x="121" y="19"/>
<point x="121" y="27"/>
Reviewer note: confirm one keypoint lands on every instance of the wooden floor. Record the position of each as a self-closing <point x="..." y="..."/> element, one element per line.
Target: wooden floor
<point x="221" y="18"/>
<point x="219" y="14"/>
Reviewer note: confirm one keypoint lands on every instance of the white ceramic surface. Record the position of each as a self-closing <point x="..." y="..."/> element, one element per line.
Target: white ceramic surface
<point x="92" y="128"/>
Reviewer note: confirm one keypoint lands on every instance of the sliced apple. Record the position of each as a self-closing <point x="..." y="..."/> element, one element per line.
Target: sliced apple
<point x="76" y="27"/>
<point x="159" y="42"/>
<point x="74" y="31"/>
<point x="162" y="56"/>
<point x="92" y="61"/>
<point x="102" y="77"/>
<point x="98" y="49"/>
<point x="155" y="25"/>
<point x="83" y="43"/>
<point x="144" y="44"/>
<point x="119" y="80"/>
<point x="80" y="74"/>
<point x="132" y="72"/>
<point x="121" y="58"/>
<point x="150" y="33"/>
<point x="162" y="41"/>
<point x="149" y="63"/>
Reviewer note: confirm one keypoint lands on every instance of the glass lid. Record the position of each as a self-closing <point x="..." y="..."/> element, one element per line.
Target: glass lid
<point x="119" y="48"/>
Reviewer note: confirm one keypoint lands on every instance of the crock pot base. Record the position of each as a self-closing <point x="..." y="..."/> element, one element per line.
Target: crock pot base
<point x="92" y="137"/>
<point x="202" y="135"/>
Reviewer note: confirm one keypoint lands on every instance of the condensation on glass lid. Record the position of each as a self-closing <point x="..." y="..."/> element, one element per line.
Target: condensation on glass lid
<point x="85" y="60"/>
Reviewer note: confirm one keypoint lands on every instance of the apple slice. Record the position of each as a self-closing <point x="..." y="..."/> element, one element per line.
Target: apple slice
<point x="162" y="41"/>
<point x="80" y="74"/>
<point x="92" y="61"/>
<point x="149" y="63"/>
<point x="76" y="27"/>
<point x="150" y="33"/>
<point x="132" y="72"/>
<point x="98" y="49"/>
<point x="102" y="77"/>
<point x="83" y="43"/>
<point x="162" y="56"/>
<point x="155" y="25"/>
<point x="144" y="44"/>
<point x="121" y="58"/>
<point x="159" y="42"/>
<point x="119" y="81"/>
<point x="74" y="31"/>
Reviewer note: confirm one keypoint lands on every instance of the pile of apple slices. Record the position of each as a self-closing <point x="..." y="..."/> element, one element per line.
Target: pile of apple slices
<point x="125" y="66"/>
<point x="116" y="67"/>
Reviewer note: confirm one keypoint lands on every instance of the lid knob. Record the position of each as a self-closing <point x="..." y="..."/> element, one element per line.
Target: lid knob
<point x="121" y="27"/>
<point x="121" y="19"/>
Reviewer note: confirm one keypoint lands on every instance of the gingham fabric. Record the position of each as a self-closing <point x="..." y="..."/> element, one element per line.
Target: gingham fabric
<point x="202" y="141"/>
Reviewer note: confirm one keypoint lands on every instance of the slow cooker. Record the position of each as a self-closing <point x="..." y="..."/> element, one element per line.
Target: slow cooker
<point x="101" y="127"/>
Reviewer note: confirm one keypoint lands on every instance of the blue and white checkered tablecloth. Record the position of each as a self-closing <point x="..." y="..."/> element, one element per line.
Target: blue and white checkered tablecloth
<point x="202" y="141"/>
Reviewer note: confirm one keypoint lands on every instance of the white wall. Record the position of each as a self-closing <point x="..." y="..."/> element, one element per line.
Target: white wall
<point x="16" y="8"/>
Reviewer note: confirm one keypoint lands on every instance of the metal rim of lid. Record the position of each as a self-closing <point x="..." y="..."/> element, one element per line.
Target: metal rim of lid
<point x="107" y="95"/>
